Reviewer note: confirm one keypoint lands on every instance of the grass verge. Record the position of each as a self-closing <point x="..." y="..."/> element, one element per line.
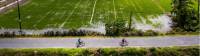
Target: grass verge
<point x="164" y="51"/>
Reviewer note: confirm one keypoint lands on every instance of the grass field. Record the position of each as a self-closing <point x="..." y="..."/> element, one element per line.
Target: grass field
<point x="40" y="14"/>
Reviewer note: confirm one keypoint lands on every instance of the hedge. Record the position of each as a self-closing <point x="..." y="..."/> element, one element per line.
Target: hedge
<point x="164" y="51"/>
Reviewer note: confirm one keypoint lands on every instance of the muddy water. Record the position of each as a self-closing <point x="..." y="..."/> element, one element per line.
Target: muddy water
<point x="160" y="23"/>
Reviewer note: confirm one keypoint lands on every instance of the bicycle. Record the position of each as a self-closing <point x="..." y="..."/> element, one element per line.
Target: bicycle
<point x="123" y="43"/>
<point x="80" y="43"/>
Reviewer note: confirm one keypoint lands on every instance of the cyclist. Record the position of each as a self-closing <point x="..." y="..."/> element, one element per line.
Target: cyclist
<point x="80" y="43"/>
<point x="123" y="42"/>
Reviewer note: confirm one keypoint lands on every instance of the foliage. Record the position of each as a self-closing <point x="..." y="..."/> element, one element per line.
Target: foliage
<point x="176" y="51"/>
<point x="72" y="32"/>
<point x="115" y="28"/>
<point x="135" y="32"/>
<point x="164" y="51"/>
<point x="8" y="34"/>
<point x="185" y="16"/>
<point x="151" y="33"/>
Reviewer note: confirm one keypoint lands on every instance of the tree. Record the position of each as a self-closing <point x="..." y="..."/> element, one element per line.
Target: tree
<point x="185" y="16"/>
<point x="115" y="28"/>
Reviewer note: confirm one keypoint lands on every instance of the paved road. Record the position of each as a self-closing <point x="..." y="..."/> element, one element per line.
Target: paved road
<point x="98" y="42"/>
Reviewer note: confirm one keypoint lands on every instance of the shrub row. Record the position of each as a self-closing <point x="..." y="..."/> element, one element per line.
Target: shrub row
<point x="53" y="33"/>
<point x="166" y="51"/>
<point x="72" y="33"/>
<point x="8" y="34"/>
<point x="122" y="32"/>
<point x="141" y="33"/>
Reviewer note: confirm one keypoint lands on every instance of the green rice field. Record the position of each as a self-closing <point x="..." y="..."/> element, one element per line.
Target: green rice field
<point x="41" y="14"/>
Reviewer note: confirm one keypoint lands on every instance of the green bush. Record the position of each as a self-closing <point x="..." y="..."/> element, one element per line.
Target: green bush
<point x="72" y="32"/>
<point x="135" y="32"/>
<point x="8" y="34"/>
<point x="184" y="15"/>
<point x="150" y="33"/>
<point x="164" y="51"/>
<point x="115" y="28"/>
<point x="134" y="52"/>
<point x="191" y="51"/>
